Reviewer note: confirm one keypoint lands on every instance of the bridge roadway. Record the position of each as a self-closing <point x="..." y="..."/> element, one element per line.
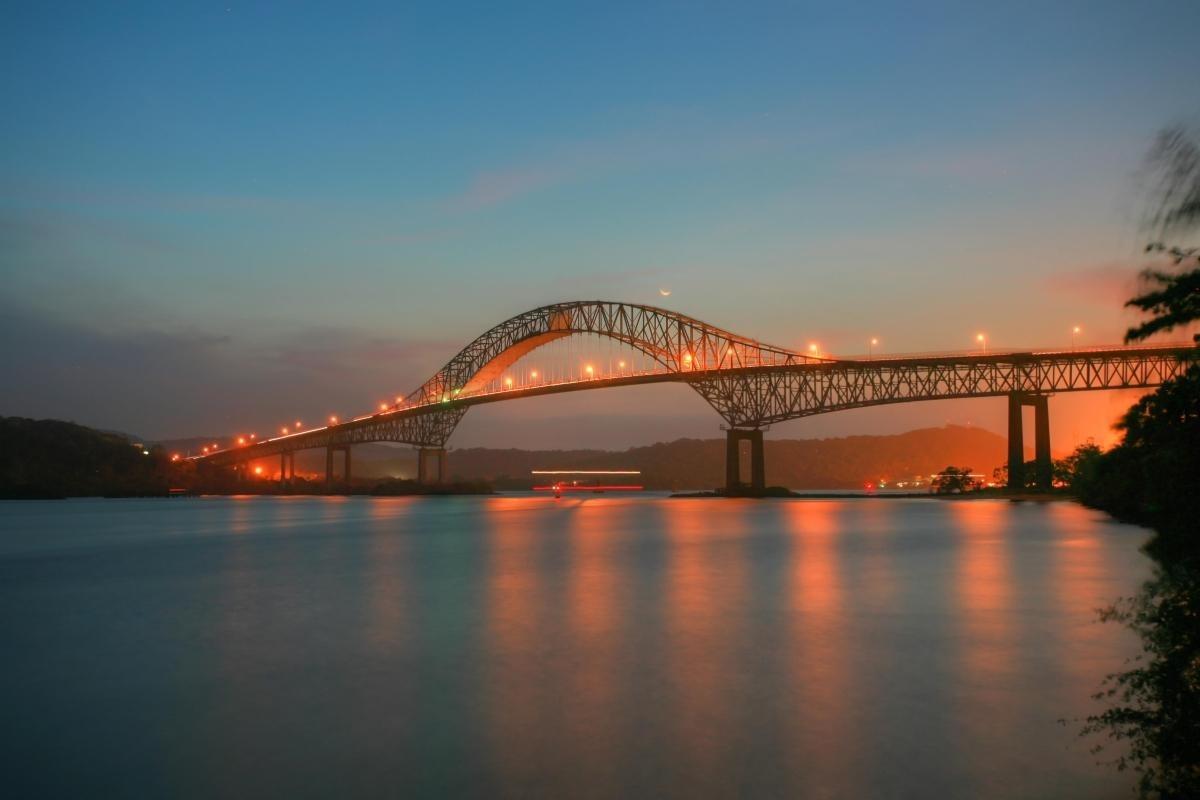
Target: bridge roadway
<point x="751" y="386"/>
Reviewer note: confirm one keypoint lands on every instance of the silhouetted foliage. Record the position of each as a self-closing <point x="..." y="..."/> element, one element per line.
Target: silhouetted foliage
<point x="49" y="458"/>
<point x="1174" y="164"/>
<point x="1157" y="702"/>
<point x="1150" y="478"/>
<point x="1079" y="468"/>
<point x="954" y="480"/>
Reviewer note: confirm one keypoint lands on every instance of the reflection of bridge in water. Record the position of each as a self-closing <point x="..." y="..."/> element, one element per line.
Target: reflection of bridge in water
<point x="750" y="384"/>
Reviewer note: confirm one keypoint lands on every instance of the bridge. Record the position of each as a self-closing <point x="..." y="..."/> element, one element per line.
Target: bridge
<point x="751" y="385"/>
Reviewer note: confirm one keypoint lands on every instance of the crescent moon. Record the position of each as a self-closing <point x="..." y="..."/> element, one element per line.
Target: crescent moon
<point x="665" y="292"/>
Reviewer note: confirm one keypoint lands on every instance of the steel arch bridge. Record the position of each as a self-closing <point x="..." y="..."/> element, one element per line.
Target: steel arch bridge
<point x="751" y="385"/>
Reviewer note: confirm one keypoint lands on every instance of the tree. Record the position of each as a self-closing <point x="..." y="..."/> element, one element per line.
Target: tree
<point x="1079" y="468"/>
<point x="953" y="480"/>
<point x="1172" y="299"/>
<point x="1150" y="477"/>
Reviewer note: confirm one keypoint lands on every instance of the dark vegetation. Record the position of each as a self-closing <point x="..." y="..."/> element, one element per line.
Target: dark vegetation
<point x="1153" y="707"/>
<point x="51" y="459"/>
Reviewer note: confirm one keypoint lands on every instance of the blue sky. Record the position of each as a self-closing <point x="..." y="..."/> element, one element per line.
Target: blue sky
<point x="215" y="211"/>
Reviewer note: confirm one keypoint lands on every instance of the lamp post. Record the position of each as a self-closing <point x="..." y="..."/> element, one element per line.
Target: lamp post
<point x="871" y="348"/>
<point x="982" y="339"/>
<point x="1074" y="332"/>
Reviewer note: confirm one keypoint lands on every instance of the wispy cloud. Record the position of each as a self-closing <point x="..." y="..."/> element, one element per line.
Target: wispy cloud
<point x="678" y="140"/>
<point x="497" y="186"/>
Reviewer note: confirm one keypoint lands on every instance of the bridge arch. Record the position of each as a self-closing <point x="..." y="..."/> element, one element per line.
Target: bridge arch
<point x="679" y="343"/>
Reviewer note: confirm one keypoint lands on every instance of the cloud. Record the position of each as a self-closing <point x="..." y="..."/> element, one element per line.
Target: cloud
<point x="163" y="382"/>
<point x="498" y="186"/>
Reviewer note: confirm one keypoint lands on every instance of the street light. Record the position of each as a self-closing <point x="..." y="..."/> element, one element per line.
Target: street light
<point x="982" y="339"/>
<point x="871" y="347"/>
<point x="812" y="348"/>
<point x="333" y="419"/>
<point x="1075" y="332"/>
<point x="588" y="369"/>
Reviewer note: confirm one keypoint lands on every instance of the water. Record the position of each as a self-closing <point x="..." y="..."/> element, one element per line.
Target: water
<point x="521" y="646"/>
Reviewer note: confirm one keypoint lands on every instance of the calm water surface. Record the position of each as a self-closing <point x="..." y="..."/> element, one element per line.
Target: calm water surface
<point x="519" y="646"/>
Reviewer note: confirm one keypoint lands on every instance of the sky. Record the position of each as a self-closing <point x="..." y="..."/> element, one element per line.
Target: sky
<point x="216" y="216"/>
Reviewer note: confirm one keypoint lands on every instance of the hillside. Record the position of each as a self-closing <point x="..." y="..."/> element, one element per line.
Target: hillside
<point x="51" y="458"/>
<point x="835" y="463"/>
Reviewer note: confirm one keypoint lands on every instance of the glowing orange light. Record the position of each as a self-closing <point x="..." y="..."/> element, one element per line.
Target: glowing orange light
<point x="508" y="382"/>
<point x="588" y="369"/>
<point x="1076" y="329"/>
<point x="812" y="348"/>
<point x="687" y="358"/>
<point x="874" y="341"/>
<point x="175" y="456"/>
<point x="284" y="430"/>
<point x="533" y="373"/>
<point x="204" y="449"/>
<point x="258" y="470"/>
<point x="297" y="424"/>
<point x="979" y="337"/>
<point x="213" y="446"/>
<point x="399" y="400"/>
<point x="383" y="406"/>
<point x="254" y="436"/>
<point x="241" y="440"/>
<point x="621" y="365"/>
<point x="333" y="419"/>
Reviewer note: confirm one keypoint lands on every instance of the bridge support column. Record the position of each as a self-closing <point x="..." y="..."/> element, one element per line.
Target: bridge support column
<point x="1044" y="470"/>
<point x="733" y="462"/>
<point x="424" y="455"/>
<point x="329" y="451"/>
<point x="1041" y="442"/>
<point x="287" y="468"/>
<point x="1016" y="444"/>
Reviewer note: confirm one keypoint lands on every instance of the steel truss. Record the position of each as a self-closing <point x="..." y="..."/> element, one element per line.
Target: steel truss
<point x="750" y="384"/>
<point x="756" y="398"/>
<point x="679" y="343"/>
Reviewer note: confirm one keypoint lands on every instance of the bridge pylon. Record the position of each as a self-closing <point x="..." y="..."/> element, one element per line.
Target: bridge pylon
<point x="329" y="451"/>
<point x="1044" y="469"/>
<point x="426" y="475"/>
<point x="287" y="467"/>
<point x="734" y="485"/>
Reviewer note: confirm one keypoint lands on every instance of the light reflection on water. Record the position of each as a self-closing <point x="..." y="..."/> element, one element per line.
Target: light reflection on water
<point x="584" y="647"/>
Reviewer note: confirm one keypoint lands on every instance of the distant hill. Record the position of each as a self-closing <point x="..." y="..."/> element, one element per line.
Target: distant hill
<point x="51" y="458"/>
<point x="836" y="463"/>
